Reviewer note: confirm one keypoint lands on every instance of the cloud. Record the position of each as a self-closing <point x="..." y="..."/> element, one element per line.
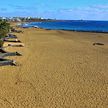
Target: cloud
<point x="96" y="12"/>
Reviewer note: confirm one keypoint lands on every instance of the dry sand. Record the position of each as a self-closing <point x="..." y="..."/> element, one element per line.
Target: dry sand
<point x="58" y="69"/>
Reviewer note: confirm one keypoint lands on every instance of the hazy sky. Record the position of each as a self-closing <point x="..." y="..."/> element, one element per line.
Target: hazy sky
<point x="60" y="9"/>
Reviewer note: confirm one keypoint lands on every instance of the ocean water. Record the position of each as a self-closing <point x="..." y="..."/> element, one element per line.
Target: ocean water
<point x="74" y="25"/>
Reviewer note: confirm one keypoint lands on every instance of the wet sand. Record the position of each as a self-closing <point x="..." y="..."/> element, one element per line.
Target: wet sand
<point x="58" y="69"/>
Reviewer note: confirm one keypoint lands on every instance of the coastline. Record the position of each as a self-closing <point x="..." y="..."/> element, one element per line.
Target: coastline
<point x="69" y="25"/>
<point x="58" y="69"/>
<point x="75" y="30"/>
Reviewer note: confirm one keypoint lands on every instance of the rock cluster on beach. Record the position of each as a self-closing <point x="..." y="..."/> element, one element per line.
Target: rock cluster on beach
<point x="12" y="40"/>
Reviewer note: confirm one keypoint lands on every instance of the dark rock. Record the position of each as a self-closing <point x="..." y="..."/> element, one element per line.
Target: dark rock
<point x="98" y="43"/>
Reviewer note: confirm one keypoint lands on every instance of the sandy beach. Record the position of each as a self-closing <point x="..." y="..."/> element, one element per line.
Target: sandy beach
<point x="58" y="69"/>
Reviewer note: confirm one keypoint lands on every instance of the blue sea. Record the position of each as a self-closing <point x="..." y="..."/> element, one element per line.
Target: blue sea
<point x="74" y="25"/>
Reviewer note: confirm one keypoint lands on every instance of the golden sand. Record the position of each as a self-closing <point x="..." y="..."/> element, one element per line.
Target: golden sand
<point x="58" y="69"/>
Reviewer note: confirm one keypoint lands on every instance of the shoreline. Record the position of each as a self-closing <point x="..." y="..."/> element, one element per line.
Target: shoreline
<point x="92" y="31"/>
<point x="66" y="30"/>
<point x="74" y="30"/>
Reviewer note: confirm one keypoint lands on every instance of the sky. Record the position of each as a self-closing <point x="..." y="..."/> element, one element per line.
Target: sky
<point x="56" y="9"/>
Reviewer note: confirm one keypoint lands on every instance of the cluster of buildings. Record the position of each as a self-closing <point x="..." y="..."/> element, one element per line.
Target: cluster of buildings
<point x="20" y="19"/>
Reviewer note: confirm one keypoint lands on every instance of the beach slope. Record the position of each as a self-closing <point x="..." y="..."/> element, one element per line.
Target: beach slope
<point x="58" y="69"/>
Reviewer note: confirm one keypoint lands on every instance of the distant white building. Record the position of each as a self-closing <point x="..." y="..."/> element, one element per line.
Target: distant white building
<point x="42" y="18"/>
<point x="28" y="17"/>
<point x="4" y="18"/>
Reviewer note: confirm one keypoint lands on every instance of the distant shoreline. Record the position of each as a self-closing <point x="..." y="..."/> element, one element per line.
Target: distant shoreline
<point x="69" y="30"/>
<point x="75" y="30"/>
<point x="15" y="24"/>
